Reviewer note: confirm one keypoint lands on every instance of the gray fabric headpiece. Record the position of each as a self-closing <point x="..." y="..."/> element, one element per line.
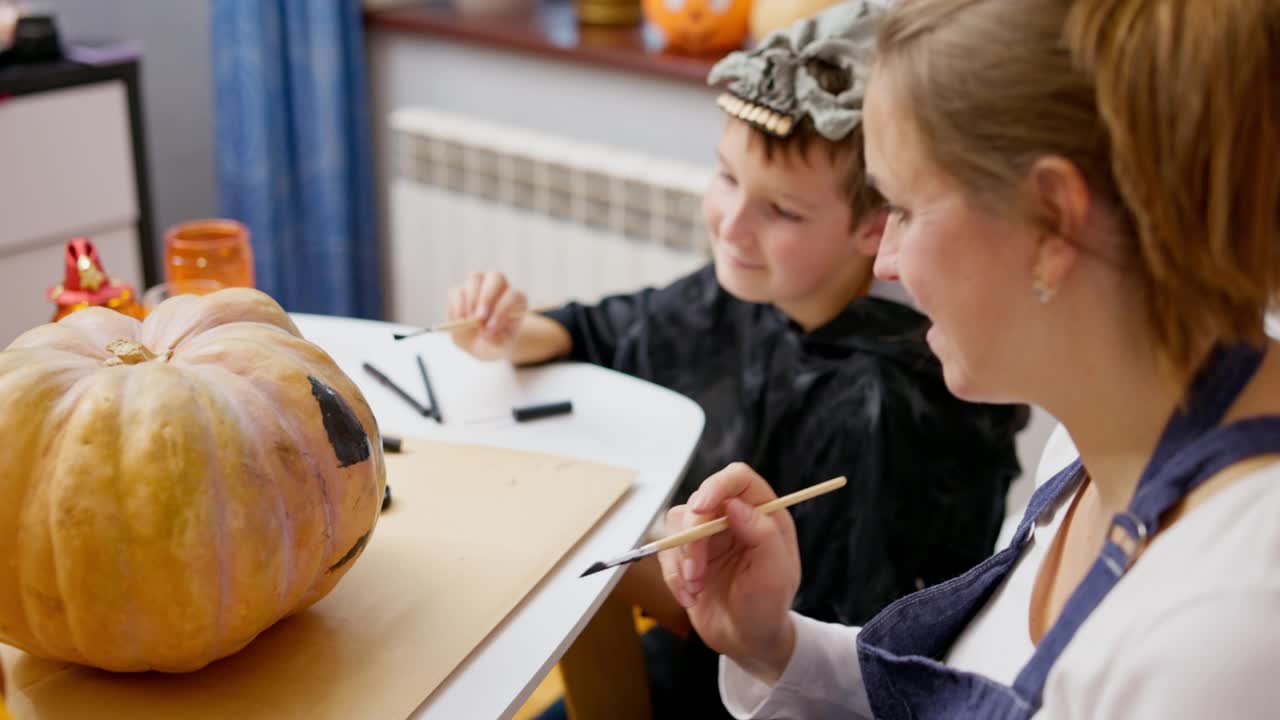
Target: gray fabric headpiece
<point x="771" y="87"/>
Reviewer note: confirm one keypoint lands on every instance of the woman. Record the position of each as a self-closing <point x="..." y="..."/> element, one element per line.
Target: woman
<point x="801" y="370"/>
<point x="1084" y="200"/>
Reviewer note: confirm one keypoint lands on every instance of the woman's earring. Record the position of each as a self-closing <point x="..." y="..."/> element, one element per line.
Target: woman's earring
<point x="1043" y="291"/>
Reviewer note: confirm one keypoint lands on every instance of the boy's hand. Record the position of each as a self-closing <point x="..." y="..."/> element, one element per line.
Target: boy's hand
<point x="738" y="585"/>
<point x="500" y="307"/>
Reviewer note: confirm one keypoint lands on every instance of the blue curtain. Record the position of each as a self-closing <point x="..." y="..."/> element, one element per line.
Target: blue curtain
<point x="294" y="154"/>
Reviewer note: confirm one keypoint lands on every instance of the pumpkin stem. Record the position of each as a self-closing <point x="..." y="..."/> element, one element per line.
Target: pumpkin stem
<point x="131" y="352"/>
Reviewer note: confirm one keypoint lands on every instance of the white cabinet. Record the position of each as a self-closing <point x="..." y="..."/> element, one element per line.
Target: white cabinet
<point x="67" y="169"/>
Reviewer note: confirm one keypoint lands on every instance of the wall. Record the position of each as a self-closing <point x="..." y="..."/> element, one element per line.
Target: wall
<point x="639" y="113"/>
<point x="177" y="93"/>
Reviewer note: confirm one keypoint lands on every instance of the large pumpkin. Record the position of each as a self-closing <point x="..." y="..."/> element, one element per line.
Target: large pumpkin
<point x="173" y="487"/>
<point x="700" y="27"/>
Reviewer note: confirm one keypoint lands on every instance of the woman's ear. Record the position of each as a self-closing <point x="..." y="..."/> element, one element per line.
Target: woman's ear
<point x="869" y="230"/>
<point x="1058" y="199"/>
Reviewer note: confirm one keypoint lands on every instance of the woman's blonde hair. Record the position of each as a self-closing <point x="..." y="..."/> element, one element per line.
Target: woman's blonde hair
<point x="1170" y="109"/>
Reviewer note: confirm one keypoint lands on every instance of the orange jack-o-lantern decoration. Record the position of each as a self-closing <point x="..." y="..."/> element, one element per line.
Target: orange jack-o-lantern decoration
<point x="700" y="27"/>
<point x="770" y="15"/>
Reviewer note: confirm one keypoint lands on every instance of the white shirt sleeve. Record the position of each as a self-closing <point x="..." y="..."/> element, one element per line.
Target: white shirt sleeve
<point x="822" y="679"/>
<point x="1214" y="657"/>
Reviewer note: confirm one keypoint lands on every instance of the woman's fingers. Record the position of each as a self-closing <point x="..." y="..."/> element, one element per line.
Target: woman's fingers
<point x="749" y="527"/>
<point x="697" y="555"/>
<point x="737" y="480"/>
<point x="733" y="493"/>
<point x="670" y="561"/>
<point x="735" y="486"/>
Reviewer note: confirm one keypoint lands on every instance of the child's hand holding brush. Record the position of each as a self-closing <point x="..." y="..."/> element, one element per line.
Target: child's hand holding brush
<point x="491" y="320"/>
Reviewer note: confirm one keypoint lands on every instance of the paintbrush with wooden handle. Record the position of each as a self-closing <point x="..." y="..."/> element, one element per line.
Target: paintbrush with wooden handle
<point x="471" y="322"/>
<point x="707" y="529"/>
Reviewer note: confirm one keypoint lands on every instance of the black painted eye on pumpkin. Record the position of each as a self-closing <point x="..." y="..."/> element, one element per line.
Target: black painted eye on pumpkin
<point x="346" y="434"/>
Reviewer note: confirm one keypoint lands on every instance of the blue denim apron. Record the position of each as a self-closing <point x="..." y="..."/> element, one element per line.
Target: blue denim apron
<point x="901" y="650"/>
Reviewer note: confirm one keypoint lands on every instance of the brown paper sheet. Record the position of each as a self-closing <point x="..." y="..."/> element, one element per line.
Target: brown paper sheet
<point x="470" y="532"/>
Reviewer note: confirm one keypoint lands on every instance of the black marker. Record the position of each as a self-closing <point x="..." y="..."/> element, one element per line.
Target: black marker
<point x="382" y="378"/>
<point x="431" y="396"/>
<point x="533" y="412"/>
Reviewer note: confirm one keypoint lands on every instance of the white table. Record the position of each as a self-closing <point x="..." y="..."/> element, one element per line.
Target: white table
<point x="616" y="420"/>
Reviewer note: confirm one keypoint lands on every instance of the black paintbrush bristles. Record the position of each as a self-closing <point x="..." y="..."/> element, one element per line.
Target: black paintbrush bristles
<point x="415" y="333"/>
<point x="621" y="560"/>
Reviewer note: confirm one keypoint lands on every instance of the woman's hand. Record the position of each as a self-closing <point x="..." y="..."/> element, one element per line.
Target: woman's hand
<point x="501" y="308"/>
<point x="738" y="585"/>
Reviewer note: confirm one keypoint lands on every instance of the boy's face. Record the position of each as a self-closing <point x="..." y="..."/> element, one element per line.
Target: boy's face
<point x="780" y="228"/>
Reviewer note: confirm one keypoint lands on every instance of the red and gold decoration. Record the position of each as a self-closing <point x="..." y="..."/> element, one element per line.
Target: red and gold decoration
<point x="174" y="486"/>
<point x="700" y="27"/>
<point x="86" y="284"/>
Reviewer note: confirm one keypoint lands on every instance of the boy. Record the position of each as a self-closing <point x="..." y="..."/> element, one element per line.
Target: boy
<point x="801" y="372"/>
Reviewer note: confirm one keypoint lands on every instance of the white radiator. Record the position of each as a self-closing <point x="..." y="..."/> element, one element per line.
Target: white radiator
<point x="562" y="218"/>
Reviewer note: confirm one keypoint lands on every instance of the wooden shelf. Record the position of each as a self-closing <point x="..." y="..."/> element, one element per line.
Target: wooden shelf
<point x="551" y="30"/>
